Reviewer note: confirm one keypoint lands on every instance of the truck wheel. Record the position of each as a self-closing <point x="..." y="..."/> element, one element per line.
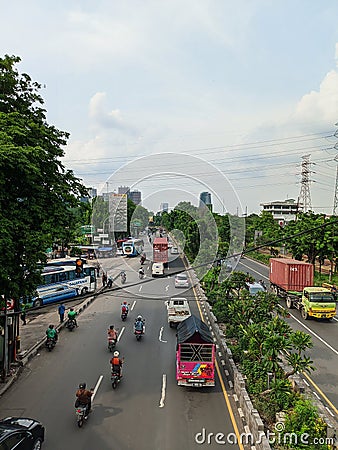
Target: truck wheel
<point x="305" y="315"/>
<point x="289" y="302"/>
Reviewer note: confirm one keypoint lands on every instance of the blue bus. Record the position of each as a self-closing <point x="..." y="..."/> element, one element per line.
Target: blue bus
<point x="132" y="247"/>
<point x="61" y="283"/>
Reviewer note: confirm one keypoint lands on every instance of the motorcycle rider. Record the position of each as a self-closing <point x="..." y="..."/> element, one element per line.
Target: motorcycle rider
<point x="139" y="324"/>
<point x="110" y="281"/>
<point x="112" y="333"/>
<point x="84" y="398"/>
<point x="124" y="308"/>
<point x="72" y="316"/>
<point x="123" y="275"/>
<point x="52" y="333"/>
<point x="116" y="364"/>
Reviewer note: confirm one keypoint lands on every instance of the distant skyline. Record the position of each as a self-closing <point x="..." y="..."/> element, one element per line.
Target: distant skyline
<point x="247" y="86"/>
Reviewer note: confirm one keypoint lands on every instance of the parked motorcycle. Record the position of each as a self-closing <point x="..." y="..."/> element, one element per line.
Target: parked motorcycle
<point x="81" y="414"/>
<point x="50" y="344"/>
<point x="142" y="260"/>
<point x="70" y="324"/>
<point x="111" y="344"/>
<point x="140" y="275"/>
<point x="115" y="379"/>
<point x="110" y="282"/>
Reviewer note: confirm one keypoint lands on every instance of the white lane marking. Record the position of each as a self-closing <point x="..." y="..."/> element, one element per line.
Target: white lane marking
<point x="120" y="334"/>
<point x="329" y="411"/>
<point x="167" y="287"/>
<point x="260" y="274"/>
<point x="97" y="386"/>
<point x="133" y="305"/>
<point x="148" y="268"/>
<point x="140" y="288"/>
<point x="164" y="384"/>
<point x="315" y="393"/>
<point x="160" y="336"/>
<point x="315" y="334"/>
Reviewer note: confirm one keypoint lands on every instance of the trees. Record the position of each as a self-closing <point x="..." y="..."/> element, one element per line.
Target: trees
<point x="37" y="193"/>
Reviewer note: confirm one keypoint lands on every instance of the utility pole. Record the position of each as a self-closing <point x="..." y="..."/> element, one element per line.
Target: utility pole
<point x="305" y="196"/>
<point x="335" y="200"/>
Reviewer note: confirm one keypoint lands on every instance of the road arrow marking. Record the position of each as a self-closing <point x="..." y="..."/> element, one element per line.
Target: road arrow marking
<point x="160" y="336"/>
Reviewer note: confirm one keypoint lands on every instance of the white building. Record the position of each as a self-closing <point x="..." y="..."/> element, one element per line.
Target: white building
<point x="283" y="211"/>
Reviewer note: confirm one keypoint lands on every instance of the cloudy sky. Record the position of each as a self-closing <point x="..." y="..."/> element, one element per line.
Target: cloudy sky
<point x="245" y="86"/>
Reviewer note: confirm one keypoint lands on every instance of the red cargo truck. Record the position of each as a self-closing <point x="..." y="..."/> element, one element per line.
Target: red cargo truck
<point x="290" y="275"/>
<point x="160" y="251"/>
<point x="292" y="280"/>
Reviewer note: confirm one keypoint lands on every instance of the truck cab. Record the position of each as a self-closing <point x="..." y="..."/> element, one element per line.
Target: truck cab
<point x="318" y="302"/>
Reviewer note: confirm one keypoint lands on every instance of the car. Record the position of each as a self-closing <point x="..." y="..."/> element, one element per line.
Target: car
<point x="254" y="288"/>
<point x="174" y="251"/>
<point x="21" y="433"/>
<point x="157" y="269"/>
<point x="181" y="280"/>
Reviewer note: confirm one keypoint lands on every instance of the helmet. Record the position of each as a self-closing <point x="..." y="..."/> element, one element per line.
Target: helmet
<point x="111" y="327"/>
<point x="116" y="354"/>
<point x="51" y="326"/>
<point x="72" y="309"/>
<point x="82" y="386"/>
<point x="124" y="303"/>
<point x="139" y="317"/>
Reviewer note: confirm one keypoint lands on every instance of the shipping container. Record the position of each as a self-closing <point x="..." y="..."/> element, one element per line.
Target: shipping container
<point x="290" y="274"/>
<point x="160" y="250"/>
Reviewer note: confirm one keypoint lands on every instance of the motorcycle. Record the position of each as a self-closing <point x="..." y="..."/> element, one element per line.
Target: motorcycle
<point x="142" y="260"/>
<point x="115" y="379"/>
<point x="70" y="324"/>
<point x="123" y="277"/>
<point x="81" y="414"/>
<point x="124" y="315"/>
<point x="141" y="275"/>
<point x="50" y="344"/>
<point x="110" y="283"/>
<point x="111" y="344"/>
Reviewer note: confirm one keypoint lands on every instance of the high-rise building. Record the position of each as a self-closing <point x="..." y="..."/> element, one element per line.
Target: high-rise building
<point x="205" y="199"/>
<point x="123" y="189"/>
<point x="135" y="196"/>
<point x="164" y="207"/>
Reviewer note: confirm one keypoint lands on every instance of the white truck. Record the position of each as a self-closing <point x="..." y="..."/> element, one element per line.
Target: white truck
<point x="178" y="310"/>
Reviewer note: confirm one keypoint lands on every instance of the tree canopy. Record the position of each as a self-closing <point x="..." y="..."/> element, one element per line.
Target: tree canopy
<point x="37" y="193"/>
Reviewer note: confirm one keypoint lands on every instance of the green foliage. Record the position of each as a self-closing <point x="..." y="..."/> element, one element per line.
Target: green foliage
<point x="38" y="196"/>
<point x="303" y="420"/>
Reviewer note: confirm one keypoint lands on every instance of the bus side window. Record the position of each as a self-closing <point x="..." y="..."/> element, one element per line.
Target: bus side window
<point x="71" y="275"/>
<point x="62" y="276"/>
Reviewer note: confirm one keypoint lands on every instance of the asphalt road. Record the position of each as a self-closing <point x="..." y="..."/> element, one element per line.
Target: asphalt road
<point x="147" y="410"/>
<point x="324" y="380"/>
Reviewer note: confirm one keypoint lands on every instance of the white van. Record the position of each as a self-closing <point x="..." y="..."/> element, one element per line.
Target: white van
<point x="157" y="269"/>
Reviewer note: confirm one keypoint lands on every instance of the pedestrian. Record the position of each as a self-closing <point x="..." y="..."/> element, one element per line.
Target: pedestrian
<point x="104" y="278"/>
<point x="23" y="316"/>
<point x="61" y="311"/>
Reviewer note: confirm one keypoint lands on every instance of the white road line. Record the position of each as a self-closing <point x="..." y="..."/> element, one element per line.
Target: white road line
<point x="315" y="393"/>
<point x="160" y="336"/>
<point x="140" y="288"/>
<point x="315" y="334"/>
<point x="133" y="305"/>
<point x="307" y="384"/>
<point x="167" y="287"/>
<point x="120" y="334"/>
<point x="329" y="411"/>
<point x="97" y="386"/>
<point x="164" y="384"/>
<point x="260" y="274"/>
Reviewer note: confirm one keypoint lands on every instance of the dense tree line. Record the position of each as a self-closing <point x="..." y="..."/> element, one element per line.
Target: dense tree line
<point x="39" y="198"/>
